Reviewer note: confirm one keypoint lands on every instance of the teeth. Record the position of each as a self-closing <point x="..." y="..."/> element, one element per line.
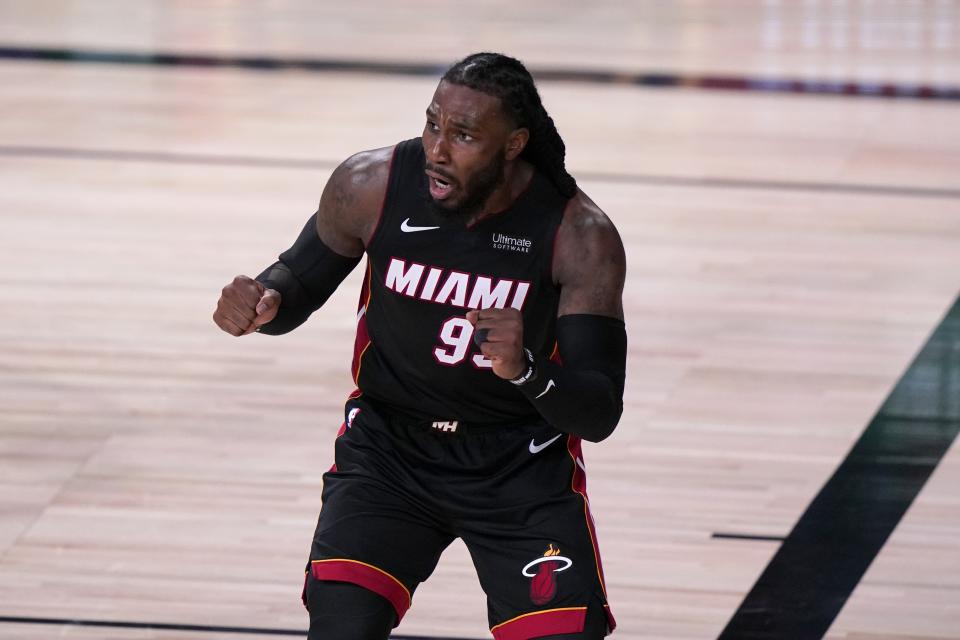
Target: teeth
<point x="441" y="184"/>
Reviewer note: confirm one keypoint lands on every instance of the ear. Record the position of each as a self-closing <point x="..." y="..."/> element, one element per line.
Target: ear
<point x="516" y="142"/>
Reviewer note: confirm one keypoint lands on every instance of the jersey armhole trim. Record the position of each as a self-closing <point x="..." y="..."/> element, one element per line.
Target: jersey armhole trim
<point x="553" y="246"/>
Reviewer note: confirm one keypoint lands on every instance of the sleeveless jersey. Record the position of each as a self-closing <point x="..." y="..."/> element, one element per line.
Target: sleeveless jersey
<point x="415" y="350"/>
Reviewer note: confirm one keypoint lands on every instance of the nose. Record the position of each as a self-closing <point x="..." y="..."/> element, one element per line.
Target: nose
<point x="438" y="151"/>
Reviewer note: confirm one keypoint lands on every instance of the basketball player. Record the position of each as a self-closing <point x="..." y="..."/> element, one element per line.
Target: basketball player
<point x="490" y="341"/>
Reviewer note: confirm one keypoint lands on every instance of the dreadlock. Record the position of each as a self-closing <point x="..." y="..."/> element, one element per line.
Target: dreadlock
<point x="506" y="78"/>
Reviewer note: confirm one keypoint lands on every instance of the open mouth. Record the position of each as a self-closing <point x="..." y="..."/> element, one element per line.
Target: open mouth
<point x="440" y="187"/>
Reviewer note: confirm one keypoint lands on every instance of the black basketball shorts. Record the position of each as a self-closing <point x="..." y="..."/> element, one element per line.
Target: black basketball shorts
<point x="400" y="492"/>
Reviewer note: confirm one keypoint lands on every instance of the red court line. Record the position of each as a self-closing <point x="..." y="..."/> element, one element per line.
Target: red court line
<point x="912" y="91"/>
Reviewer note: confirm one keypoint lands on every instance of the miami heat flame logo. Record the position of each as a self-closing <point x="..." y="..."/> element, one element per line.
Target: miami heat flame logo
<point x="543" y="587"/>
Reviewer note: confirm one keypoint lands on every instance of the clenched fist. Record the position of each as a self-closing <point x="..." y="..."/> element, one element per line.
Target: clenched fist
<point x="244" y="305"/>
<point x="501" y="339"/>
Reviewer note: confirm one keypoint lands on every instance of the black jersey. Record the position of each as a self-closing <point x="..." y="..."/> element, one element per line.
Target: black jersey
<point x="415" y="350"/>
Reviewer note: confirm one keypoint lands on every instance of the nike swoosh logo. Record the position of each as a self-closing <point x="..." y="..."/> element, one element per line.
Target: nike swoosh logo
<point x="537" y="448"/>
<point x="407" y="228"/>
<point x="550" y="385"/>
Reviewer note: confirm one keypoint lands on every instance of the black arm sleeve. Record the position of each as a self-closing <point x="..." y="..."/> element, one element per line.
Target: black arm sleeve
<point x="305" y="275"/>
<point x="584" y="395"/>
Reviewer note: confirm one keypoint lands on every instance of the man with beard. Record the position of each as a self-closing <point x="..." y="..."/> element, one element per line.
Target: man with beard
<point x="490" y="341"/>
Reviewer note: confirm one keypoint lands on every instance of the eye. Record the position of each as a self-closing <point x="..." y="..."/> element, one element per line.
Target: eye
<point x="432" y="126"/>
<point x="465" y="137"/>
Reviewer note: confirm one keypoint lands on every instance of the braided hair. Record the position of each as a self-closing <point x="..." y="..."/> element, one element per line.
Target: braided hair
<point x="506" y="78"/>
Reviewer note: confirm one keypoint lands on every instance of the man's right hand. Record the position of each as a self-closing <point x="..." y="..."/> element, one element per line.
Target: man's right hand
<point x="244" y="305"/>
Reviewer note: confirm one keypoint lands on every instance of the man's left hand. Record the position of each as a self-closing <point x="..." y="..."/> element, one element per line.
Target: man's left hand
<point x="504" y="339"/>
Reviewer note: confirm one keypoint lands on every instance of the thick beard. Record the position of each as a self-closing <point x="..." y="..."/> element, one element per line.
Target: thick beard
<point x="478" y="190"/>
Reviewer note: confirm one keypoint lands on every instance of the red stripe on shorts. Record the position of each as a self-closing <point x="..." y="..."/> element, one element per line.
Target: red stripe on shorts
<point x="368" y="577"/>
<point x="541" y="623"/>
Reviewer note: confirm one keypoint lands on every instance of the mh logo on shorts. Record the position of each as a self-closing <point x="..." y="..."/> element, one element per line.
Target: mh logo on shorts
<point x="446" y="427"/>
<point x="543" y="586"/>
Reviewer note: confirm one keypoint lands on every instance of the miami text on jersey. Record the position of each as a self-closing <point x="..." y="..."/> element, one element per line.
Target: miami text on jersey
<point x="454" y="288"/>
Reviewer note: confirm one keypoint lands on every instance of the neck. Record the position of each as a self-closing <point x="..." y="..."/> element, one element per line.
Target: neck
<point x="516" y="177"/>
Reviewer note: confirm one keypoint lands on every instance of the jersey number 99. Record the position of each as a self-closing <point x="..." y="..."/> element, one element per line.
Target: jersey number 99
<point x="456" y="334"/>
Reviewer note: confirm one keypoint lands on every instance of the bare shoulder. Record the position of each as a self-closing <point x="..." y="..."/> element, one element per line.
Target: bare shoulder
<point x="365" y="167"/>
<point x="352" y="199"/>
<point x="589" y="263"/>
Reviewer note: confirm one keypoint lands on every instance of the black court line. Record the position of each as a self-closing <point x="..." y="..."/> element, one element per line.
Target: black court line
<point x="161" y="626"/>
<point x="433" y="69"/>
<point x="809" y="579"/>
<point x="771" y="185"/>
<point x="162" y="157"/>
<point x="746" y="536"/>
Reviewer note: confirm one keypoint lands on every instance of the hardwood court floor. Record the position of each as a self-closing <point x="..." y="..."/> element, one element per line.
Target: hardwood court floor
<point x="154" y="469"/>
<point x="914" y="42"/>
